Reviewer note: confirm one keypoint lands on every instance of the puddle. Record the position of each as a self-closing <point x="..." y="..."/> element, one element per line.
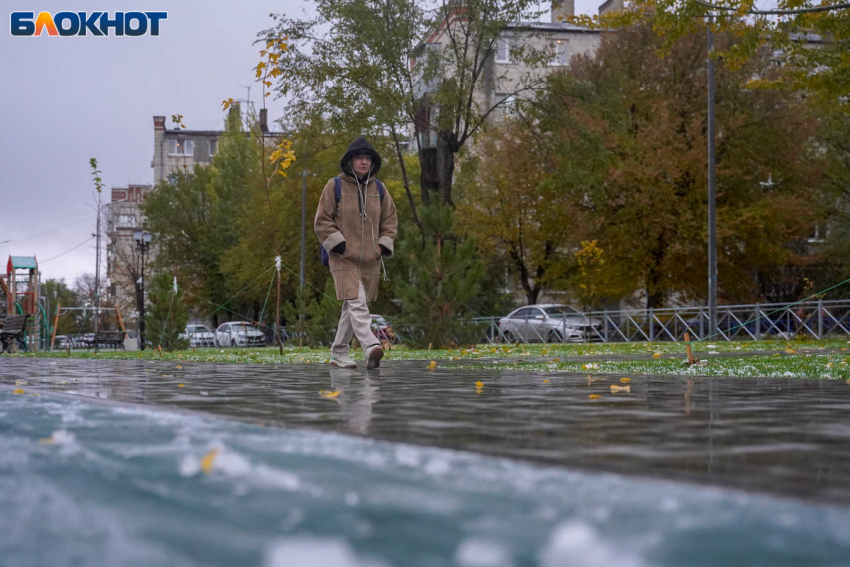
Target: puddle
<point x="126" y="486"/>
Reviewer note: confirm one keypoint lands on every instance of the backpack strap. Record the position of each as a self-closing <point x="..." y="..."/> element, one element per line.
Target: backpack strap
<point x="338" y="189"/>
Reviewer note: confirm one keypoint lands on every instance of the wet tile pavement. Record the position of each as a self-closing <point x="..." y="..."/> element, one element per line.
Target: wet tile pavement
<point x="782" y="436"/>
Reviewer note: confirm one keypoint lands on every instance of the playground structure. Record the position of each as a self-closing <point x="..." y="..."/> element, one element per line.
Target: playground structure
<point x="21" y="285"/>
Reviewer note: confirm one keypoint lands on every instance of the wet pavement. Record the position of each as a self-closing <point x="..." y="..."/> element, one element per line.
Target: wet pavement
<point x="784" y="436"/>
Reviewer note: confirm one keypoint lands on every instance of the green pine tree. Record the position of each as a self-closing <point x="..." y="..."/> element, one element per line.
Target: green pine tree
<point x="314" y="315"/>
<point x="167" y="316"/>
<point x="445" y="275"/>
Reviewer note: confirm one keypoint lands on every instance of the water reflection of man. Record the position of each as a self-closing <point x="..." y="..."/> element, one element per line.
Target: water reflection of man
<point x="356" y="398"/>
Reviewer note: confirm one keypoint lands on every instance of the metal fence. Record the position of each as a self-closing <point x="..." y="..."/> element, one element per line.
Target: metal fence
<point x="813" y="319"/>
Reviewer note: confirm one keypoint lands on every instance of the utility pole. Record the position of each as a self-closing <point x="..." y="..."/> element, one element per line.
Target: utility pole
<point x="712" y="192"/>
<point x="97" y="277"/>
<point x="303" y="225"/>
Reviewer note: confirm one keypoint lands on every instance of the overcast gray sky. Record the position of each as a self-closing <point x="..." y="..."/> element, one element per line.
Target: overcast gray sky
<point x="64" y="100"/>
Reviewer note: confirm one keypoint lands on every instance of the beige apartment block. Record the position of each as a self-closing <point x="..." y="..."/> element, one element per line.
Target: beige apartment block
<point x="123" y="261"/>
<point x="178" y="150"/>
<point x="505" y="79"/>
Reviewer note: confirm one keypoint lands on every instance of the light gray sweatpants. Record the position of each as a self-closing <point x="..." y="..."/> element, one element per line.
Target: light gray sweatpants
<point x="354" y="321"/>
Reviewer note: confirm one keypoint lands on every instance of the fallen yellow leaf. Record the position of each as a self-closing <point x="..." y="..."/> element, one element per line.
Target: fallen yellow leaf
<point x="624" y="380"/>
<point x="479" y="384"/>
<point x="656" y="355"/>
<point x="329" y="394"/>
<point x="545" y="381"/>
<point x="18" y="391"/>
<point x="594" y="396"/>
<point x="207" y="461"/>
<point x="615" y="388"/>
<point x="179" y="367"/>
<point x="790" y="351"/>
<point x="556" y="360"/>
<point x="181" y="385"/>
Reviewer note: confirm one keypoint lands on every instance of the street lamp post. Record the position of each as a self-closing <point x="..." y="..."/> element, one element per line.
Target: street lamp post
<point x="712" y="191"/>
<point x="143" y="241"/>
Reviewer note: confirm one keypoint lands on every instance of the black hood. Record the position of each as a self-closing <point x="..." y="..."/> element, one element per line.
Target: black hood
<point x="358" y="147"/>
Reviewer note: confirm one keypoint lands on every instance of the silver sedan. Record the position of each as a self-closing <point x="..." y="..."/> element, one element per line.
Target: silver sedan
<point x="551" y="323"/>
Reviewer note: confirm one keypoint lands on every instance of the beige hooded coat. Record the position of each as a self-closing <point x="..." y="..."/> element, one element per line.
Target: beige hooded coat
<point x="363" y="234"/>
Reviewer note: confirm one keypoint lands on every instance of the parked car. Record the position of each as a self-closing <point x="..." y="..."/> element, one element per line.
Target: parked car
<point x="199" y="336"/>
<point x="239" y="333"/>
<point x="551" y="323"/>
<point x="383" y="330"/>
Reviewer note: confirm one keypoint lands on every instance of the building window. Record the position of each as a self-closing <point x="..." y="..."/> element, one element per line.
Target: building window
<point x="506" y="104"/>
<point x="503" y="50"/>
<point x="181" y="147"/>
<point x="560" y="53"/>
<point x="213" y="146"/>
<point x="126" y="221"/>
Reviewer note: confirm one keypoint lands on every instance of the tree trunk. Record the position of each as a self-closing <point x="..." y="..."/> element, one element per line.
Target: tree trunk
<point x="406" y="182"/>
<point x="428" y="179"/>
<point x="532" y="294"/>
<point x="654" y="293"/>
<point x="446" y="165"/>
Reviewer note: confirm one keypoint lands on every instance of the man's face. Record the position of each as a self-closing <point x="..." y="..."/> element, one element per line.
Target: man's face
<point x="361" y="165"/>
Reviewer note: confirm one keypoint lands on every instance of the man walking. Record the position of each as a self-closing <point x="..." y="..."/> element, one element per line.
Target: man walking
<point x="356" y="223"/>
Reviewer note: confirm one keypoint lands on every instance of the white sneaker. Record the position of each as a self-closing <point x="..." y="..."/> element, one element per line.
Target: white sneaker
<point x="342" y="360"/>
<point x="374" y="356"/>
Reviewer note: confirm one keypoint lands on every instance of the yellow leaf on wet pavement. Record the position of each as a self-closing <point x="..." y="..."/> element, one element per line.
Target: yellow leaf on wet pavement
<point x="615" y="388"/>
<point x="790" y="351"/>
<point x="329" y="394"/>
<point x="624" y="380"/>
<point x="594" y="396"/>
<point x="207" y="461"/>
<point x="545" y="381"/>
<point x="433" y="364"/>
<point x="656" y="355"/>
<point x="479" y="384"/>
<point x="18" y="391"/>
<point x="181" y="385"/>
<point x="179" y="367"/>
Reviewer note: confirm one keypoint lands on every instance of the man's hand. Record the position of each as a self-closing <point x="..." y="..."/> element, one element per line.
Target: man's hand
<point x="384" y="250"/>
<point x="339" y="248"/>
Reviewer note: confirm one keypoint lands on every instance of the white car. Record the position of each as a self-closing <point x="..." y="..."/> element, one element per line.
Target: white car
<point x="239" y="334"/>
<point x="550" y="323"/>
<point x="199" y="336"/>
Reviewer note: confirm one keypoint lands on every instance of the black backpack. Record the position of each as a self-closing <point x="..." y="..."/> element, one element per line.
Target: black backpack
<point x="337" y="196"/>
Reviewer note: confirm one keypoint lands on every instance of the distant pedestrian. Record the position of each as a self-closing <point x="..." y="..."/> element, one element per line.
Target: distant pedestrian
<point x="356" y="223"/>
